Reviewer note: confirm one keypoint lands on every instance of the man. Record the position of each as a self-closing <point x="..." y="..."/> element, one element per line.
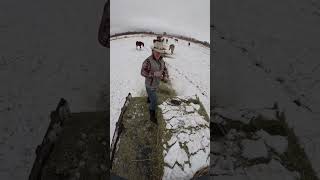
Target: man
<point x="154" y="70"/>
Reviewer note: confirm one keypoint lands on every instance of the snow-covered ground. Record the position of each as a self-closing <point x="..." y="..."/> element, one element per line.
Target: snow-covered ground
<point x="48" y="50"/>
<point x="189" y="71"/>
<point x="188" y="149"/>
<point x="266" y="53"/>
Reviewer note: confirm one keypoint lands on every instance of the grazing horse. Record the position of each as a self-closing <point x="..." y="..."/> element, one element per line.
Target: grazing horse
<point x="171" y="47"/>
<point x="139" y="43"/>
<point x="176" y="40"/>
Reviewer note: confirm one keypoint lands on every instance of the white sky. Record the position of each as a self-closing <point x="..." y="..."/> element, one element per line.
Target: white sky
<point x="183" y="17"/>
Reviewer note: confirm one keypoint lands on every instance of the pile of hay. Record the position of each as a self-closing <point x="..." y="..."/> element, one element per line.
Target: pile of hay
<point x="201" y="172"/>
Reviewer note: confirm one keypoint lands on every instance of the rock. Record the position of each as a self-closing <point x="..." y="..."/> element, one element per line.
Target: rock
<point x="253" y="149"/>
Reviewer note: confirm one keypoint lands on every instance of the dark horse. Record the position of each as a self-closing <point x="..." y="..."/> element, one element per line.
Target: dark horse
<point x="139" y="43"/>
<point x="176" y="40"/>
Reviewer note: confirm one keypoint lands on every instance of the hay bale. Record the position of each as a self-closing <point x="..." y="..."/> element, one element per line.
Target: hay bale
<point x="201" y="172"/>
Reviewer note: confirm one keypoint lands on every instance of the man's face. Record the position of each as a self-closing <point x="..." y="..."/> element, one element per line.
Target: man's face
<point x="157" y="55"/>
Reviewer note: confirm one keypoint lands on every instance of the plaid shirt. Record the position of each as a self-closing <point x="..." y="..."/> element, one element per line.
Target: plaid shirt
<point x="148" y="72"/>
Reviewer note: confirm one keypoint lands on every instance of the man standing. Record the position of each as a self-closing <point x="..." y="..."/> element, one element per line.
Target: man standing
<point x="154" y="70"/>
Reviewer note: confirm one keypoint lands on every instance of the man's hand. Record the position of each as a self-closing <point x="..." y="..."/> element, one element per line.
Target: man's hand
<point x="157" y="74"/>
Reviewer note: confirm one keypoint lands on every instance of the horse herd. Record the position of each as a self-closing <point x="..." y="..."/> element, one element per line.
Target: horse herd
<point x="171" y="47"/>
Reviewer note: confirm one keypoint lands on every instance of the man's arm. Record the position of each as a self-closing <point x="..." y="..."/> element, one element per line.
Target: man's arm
<point x="146" y="69"/>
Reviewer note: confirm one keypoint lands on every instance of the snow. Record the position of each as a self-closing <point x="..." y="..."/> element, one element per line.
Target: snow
<point x="189" y="109"/>
<point x="175" y="154"/>
<point x="191" y="135"/>
<point x="49" y="50"/>
<point x="189" y="63"/>
<point x="280" y="39"/>
<point x="277" y="143"/>
<point x="272" y="170"/>
<point x="253" y="149"/>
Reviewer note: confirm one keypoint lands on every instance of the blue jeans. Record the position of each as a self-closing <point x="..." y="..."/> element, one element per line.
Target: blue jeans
<point x="152" y="94"/>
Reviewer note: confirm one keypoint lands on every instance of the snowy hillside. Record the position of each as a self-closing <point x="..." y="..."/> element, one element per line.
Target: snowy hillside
<point x="266" y="53"/>
<point x="189" y="71"/>
<point x="48" y="50"/>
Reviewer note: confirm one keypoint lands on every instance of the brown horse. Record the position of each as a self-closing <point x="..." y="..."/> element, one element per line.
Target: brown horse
<point x="139" y="43"/>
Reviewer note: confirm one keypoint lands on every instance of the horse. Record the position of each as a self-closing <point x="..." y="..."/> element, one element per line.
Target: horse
<point x="171" y="47"/>
<point x="176" y="40"/>
<point x="139" y="43"/>
<point x="189" y="43"/>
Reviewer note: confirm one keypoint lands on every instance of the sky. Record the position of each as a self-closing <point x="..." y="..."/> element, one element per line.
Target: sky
<point x="183" y="17"/>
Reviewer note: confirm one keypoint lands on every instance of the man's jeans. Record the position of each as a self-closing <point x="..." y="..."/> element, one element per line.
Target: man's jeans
<point x="152" y="94"/>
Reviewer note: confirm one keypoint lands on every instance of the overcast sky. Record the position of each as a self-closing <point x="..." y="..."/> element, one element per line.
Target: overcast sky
<point x="183" y="17"/>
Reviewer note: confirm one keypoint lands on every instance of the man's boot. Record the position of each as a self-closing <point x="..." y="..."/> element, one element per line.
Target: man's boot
<point x="153" y="117"/>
